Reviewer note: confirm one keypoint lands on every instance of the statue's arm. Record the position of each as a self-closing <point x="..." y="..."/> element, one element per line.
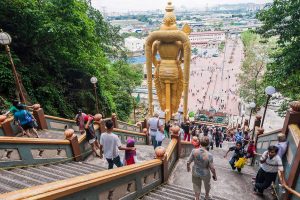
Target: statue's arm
<point x="154" y="52"/>
<point x="181" y="53"/>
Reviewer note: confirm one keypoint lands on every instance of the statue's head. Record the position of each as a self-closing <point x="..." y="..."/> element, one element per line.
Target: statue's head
<point x="169" y="21"/>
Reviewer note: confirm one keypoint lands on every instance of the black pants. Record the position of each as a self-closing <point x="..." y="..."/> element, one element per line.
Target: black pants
<point x="115" y="161"/>
<point x="264" y="180"/>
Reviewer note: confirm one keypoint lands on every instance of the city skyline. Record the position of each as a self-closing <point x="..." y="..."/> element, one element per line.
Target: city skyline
<point x="138" y="5"/>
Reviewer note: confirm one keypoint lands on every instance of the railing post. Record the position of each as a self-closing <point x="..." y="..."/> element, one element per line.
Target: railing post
<point x="145" y="131"/>
<point x="7" y="129"/>
<point x="114" y="119"/>
<point x="139" y="124"/>
<point x="69" y="134"/>
<point x="144" y="124"/>
<point x="293" y="117"/>
<point x="160" y="153"/>
<point x="39" y="115"/>
<point x="175" y="135"/>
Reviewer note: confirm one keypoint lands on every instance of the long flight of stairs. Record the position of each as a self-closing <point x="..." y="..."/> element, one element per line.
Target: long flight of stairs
<point x="20" y="178"/>
<point x="173" y="192"/>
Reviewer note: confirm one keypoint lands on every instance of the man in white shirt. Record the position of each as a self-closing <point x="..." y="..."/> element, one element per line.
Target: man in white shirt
<point x="110" y="145"/>
<point x="270" y="165"/>
<point x="153" y="126"/>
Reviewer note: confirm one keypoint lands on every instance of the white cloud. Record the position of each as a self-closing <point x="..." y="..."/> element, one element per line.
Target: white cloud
<point x="143" y="5"/>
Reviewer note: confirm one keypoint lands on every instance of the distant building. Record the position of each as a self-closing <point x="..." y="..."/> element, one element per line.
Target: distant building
<point x="207" y="43"/>
<point x="134" y="44"/>
<point x="207" y="36"/>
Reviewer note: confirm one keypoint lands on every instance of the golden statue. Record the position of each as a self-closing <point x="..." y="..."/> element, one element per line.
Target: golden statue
<point x="174" y="48"/>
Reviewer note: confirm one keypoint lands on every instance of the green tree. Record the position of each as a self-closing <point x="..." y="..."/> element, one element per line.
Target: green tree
<point x="253" y="68"/>
<point x="58" y="46"/>
<point x="281" y="19"/>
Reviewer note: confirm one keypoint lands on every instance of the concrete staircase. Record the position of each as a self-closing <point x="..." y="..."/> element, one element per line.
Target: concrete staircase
<point x="173" y="192"/>
<point x="20" y="178"/>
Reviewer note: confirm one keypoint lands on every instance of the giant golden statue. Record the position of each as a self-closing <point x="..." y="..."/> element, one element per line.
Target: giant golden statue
<point x="174" y="48"/>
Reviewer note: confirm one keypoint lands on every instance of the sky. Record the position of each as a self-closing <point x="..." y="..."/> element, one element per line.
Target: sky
<point x="144" y="5"/>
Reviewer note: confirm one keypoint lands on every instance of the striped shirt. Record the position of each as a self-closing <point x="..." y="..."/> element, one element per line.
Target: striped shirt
<point x="271" y="165"/>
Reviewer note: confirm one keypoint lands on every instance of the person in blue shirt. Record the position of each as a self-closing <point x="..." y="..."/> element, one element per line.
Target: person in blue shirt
<point x="25" y="119"/>
<point x="238" y="136"/>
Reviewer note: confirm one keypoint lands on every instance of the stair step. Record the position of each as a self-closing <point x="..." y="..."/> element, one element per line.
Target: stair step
<point x="13" y="183"/>
<point x="66" y="169"/>
<point x="46" y="173"/>
<point x="98" y="168"/>
<point x="181" y="190"/>
<point x="148" y="198"/>
<point x="189" y="191"/>
<point x="172" y="194"/>
<point x="57" y="172"/>
<point x="83" y="168"/>
<point x="34" y="175"/>
<point x="159" y="197"/>
<point x="20" y="177"/>
<point x="6" y="188"/>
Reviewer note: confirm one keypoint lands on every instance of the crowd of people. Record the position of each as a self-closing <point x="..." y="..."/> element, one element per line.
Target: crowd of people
<point x="107" y="145"/>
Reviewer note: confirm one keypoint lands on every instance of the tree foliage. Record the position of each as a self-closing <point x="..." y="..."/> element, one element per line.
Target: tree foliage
<point x="58" y="45"/>
<point x="253" y="68"/>
<point x="281" y="19"/>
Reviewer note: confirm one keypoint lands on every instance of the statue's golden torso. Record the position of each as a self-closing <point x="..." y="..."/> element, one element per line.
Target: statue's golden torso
<point x="169" y="64"/>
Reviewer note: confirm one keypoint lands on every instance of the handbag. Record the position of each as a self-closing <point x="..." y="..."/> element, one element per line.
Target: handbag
<point x="240" y="163"/>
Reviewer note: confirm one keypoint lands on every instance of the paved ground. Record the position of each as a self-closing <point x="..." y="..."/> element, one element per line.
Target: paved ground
<point x="212" y="85"/>
<point x="230" y="184"/>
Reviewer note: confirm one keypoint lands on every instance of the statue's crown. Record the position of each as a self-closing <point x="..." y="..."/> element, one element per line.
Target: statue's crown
<point x="170" y="7"/>
<point x="169" y="21"/>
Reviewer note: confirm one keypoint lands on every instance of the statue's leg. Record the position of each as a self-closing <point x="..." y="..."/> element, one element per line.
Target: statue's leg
<point x="163" y="95"/>
<point x="174" y="98"/>
<point x="168" y="100"/>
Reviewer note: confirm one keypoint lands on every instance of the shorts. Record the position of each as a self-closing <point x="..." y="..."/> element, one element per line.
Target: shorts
<point x="27" y="126"/>
<point x="91" y="141"/>
<point x="197" y="183"/>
